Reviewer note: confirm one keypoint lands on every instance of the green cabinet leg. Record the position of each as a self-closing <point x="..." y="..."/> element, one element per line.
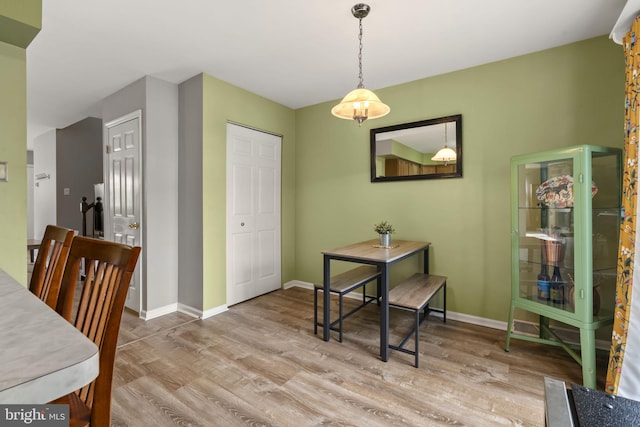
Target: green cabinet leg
<point x="509" y="327"/>
<point x="588" y="353"/>
<point x="544" y="327"/>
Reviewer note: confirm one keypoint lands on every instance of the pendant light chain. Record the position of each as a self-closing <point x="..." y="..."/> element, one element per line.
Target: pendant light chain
<point x="445" y="134"/>
<point x="360" y="104"/>
<point x="361" y="80"/>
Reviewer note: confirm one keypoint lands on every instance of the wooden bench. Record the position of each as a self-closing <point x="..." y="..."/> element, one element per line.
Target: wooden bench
<point x="414" y="294"/>
<point x="342" y="284"/>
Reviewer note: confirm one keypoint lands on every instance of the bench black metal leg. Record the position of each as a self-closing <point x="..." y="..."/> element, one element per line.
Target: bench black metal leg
<point x="340" y="318"/>
<point x="366" y="299"/>
<point x="444" y="303"/>
<point x="417" y="337"/>
<point x="429" y="286"/>
<point x="315" y="311"/>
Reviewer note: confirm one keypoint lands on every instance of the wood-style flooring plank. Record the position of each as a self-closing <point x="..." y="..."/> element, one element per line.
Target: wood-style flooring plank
<point x="259" y="364"/>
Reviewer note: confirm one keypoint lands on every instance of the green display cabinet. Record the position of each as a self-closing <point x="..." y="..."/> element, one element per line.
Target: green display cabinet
<point x="565" y="216"/>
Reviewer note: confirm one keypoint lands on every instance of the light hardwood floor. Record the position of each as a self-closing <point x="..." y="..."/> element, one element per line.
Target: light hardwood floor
<point x="259" y="364"/>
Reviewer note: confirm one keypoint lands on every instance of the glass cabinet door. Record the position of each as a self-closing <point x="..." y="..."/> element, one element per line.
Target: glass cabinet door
<point x="545" y="224"/>
<point x="568" y="213"/>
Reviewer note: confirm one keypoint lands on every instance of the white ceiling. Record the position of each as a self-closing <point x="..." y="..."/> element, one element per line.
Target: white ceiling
<point x="294" y="52"/>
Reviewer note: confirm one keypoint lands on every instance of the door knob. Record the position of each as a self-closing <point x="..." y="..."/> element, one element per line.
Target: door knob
<point x="134" y="226"/>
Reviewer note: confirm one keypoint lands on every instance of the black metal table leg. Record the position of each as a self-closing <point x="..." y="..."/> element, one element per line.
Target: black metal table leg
<point x="426" y="261"/>
<point x="326" y="321"/>
<point x="384" y="313"/>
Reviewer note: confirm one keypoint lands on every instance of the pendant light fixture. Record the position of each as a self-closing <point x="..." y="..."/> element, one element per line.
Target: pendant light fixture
<point x="445" y="154"/>
<point x="360" y="104"/>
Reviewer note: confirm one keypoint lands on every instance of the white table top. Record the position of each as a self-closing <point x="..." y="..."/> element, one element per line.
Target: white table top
<point x="42" y="356"/>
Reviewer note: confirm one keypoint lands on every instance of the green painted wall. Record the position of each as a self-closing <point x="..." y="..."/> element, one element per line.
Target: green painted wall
<point x="401" y="150"/>
<point x="19" y="24"/>
<point x="223" y="102"/>
<point x="20" y="21"/>
<point x="13" y="150"/>
<point x="565" y="96"/>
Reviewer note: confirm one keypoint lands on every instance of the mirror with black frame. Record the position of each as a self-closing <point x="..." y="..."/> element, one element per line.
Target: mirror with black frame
<point x="428" y="149"/>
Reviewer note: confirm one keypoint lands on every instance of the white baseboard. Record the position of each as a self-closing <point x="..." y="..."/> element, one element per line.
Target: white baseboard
<point x="475" y="320"/>
<point x="189" y="311"/>
<point x="213" y="311"/>
<point x="298" y="283"/>
<point x="157" y="312"/>
<point x="182" y="308"/>
<point x="200" y="314"/>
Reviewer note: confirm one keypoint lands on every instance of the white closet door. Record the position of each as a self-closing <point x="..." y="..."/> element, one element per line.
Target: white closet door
<point x="253" y="213"/>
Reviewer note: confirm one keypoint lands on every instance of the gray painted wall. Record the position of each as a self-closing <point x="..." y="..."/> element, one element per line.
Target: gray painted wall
<point x="190" y="194"/>
<point x="78" y="168"/>
<point x="158" y="101"/>
<point x="44" y="197"/>
<point x="161" y="192"/>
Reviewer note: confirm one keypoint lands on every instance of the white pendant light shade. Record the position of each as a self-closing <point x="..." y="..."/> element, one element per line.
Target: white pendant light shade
<point x="445" y="155"/>
<point x="359" y="105"/>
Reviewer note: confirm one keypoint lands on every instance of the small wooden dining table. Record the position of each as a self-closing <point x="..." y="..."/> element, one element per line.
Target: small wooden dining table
<point x="370" y="252"/>
<point x="42" y="356"/>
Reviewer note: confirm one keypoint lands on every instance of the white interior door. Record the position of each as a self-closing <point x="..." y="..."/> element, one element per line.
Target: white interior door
<point x="123" y="192"/>
<point x="253" y="213"/>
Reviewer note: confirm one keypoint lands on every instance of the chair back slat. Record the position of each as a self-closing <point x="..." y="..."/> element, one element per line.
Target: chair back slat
<point x="49" y="266"/>
<point x="88" y="306"/>
<point x="54" y="250"/>
<point x="94" y="302"/>
<point x="98" y="305"/>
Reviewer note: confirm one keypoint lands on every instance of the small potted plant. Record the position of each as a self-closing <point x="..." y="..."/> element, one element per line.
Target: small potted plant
<point x="384" y="230"/>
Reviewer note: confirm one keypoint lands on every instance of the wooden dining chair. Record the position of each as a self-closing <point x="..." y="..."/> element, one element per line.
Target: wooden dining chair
<point x="50" y="262"/>
<point x="96" y="311"/>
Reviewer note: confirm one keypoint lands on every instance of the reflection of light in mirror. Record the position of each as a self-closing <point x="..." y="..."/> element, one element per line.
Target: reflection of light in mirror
<point x="445" y="154"/>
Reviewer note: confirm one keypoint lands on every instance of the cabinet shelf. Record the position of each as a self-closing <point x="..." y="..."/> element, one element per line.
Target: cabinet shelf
<point x="565" y="215"/>
<point x="542" y="208"/>
<point x="603" y="314"/>
<point x="597" y="269"/>
<point x="604" y="211"/>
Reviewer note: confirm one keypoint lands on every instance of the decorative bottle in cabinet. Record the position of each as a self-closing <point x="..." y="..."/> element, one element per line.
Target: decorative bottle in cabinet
<point x="544" y="282"/>
<point x="565" y="215"/>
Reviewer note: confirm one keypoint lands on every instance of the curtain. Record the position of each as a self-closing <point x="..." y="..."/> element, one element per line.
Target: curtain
<point x="623" y="374"/>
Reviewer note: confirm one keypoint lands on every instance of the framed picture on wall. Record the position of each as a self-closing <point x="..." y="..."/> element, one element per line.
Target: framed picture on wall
<point x="4" y="174"/>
